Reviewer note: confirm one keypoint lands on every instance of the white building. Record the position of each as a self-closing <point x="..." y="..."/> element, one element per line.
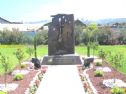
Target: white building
<point x="4" y="24"/>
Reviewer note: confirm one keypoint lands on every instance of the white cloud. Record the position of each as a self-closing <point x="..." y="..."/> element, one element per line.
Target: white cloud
<point x="91" y="9"/>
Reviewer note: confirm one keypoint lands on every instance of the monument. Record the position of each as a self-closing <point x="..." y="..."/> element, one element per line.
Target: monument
<point x="61" y="41"/>
<point x="61" y="35"/>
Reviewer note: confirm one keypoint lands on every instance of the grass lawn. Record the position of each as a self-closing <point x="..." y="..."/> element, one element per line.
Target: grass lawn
<point x="8" y="50"/>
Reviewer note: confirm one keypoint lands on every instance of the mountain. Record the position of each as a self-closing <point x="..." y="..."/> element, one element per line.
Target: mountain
<point x="105" y="21"/>
<point x="84" y="22"/>
<point x="111" y="21"/>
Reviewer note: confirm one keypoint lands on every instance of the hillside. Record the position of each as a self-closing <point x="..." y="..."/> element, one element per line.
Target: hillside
<point x="111" y="21"/>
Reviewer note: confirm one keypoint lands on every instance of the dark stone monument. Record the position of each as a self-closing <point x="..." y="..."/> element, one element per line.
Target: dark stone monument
<point x="61" y="35"/>
<point x="61" y="41"/>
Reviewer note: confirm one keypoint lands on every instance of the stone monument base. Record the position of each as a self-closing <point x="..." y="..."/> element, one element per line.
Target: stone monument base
<point x="61" y="60"/>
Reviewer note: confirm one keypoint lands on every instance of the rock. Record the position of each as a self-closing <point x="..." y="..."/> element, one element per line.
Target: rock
<point x="24" y="72"/>
<point x="26" y="62"/>
<point x="10" y="87"/>
<point x="110" y="83"/>
<point x="31" y="66"/>
<point x="104" y="69"/>
<point x="97" y="60"/>
<point x="36" y="63"/>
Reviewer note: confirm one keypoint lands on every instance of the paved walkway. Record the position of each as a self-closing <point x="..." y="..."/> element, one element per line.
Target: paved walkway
<point x="61" y="79"/>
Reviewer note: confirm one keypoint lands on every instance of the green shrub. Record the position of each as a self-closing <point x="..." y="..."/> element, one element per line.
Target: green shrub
<point x="23" y="65"/>
<point x="18" y="77"/>
<point x="117" y="90"/>
<point x="98" y="63"/>
<point x="99" y="73"/>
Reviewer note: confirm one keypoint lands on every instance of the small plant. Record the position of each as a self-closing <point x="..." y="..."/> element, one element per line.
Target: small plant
<point x="98" y="64"/>
<point x="99" y="73"/>
<point x="18" y="77"/>
<point x="82" y="77"/>
<point x="94" y="46"/>
<point x="85" y="85"/>
<point x="23" y="65"/>
<point x="32" y="89"/>
<point x="5" y="64"/>
<point x="117" y="90"/>
<point x="40" y="76"/>
<point x="19" y="55"/>
<point x="102" y="55"/>
<point x="30" y="51"/>
<point x="37" y="82"/>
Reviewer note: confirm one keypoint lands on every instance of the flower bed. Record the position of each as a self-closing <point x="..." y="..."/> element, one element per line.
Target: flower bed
<point x="86" y="84"/>
<point x="98" y="81"/>
<point x="32" y="77"/>
<point x="34" y="84"/>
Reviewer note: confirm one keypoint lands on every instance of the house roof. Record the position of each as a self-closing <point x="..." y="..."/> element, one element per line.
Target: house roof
<point x="3" y="21"/>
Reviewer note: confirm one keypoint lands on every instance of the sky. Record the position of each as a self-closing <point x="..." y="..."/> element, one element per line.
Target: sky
<point x="37" y="10"/>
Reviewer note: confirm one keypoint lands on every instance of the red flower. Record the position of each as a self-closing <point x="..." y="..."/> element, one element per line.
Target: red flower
<point x="44" y="67"/>
<point x="43" y="70"/>
<point x="85" y="85"/>
<point x="79" y="66"/>
<point x="37" y="82"/>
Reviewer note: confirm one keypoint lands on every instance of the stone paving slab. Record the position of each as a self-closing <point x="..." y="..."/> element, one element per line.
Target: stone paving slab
<point x="61" y="79"/>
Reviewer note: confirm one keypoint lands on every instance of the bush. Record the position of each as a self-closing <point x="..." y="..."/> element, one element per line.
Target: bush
<point x="98" y="64"/>
<point x="99" y="73"/>
<point x="117" y="90"/>
<point x="23" y="66"/>
<point x="18" y="77"/>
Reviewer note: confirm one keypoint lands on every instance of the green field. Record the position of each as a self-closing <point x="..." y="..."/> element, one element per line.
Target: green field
<point x="8" y="50"/>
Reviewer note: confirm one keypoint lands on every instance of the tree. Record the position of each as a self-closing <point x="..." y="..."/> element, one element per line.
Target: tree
<point x="94" y="46"/>
<point x="90" y="30"/>
<point x="78" y="34"/>
<point x="4" y="61"/>
<point x="102" y="55"/>
<point x="106" y="35"/>
<point x="29" y="51"/>
<point x="41" y="37"/>
<point x="35" y="46"/>
<point x="19" y="55"/>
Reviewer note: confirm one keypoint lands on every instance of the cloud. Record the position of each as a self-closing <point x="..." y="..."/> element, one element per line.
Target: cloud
<point x="91" y="9"/>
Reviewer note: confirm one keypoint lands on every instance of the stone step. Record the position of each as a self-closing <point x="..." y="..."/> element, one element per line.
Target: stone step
<point x="61" y="60"/>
